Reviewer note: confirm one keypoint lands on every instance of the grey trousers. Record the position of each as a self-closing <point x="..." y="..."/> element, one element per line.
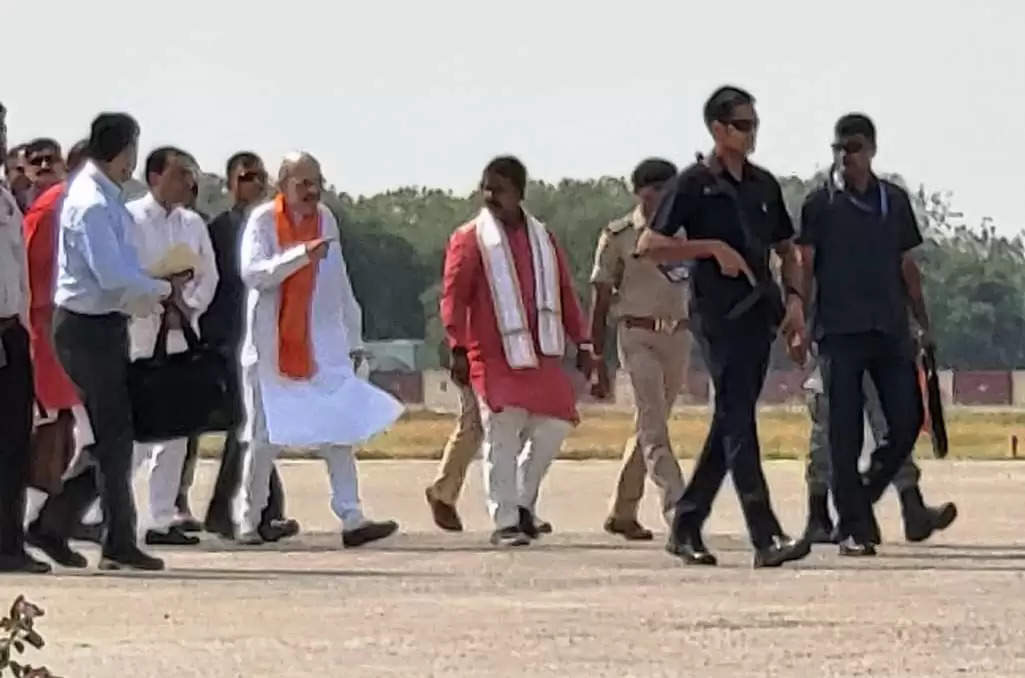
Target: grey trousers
<point x="819" y="469"/>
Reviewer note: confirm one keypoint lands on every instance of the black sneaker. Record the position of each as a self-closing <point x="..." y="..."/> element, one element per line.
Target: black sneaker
<point x="691" y="549"/>
<point x="509" y="536"/>
<point x="173" y="537"/>
<point x="131" y="559"/>
<point x="852" y="548"/>
<point x="368" y="532"/>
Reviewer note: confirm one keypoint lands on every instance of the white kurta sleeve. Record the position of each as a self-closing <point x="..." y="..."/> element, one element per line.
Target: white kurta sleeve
<point x="199" y="291"/>
<point x="262" y="265"/>
<point x="352" y="312"/>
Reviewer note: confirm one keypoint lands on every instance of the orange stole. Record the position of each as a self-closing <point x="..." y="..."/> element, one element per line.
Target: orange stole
<point x="295" y="346"/>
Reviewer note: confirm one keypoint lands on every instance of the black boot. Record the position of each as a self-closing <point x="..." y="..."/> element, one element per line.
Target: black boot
<point x="820" y="526"/>
<point x="920" y="521"/>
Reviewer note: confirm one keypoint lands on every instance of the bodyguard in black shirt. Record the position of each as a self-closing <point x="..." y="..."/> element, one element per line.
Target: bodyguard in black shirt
<point x="720" y="217"/>
<point x="223" y="324"/>
<point x="856" y="237"/>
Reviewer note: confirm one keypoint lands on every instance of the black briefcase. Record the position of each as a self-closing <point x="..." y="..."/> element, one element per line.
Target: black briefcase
<point x="182" y="394"/>
<point x="934" y="403"/>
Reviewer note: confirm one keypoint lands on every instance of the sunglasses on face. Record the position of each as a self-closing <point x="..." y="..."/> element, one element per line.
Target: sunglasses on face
<point x="744" y="125"/>
<point x="246" y="177"/>
<point x="38" y="160"/>
<point x="850" y="147"/>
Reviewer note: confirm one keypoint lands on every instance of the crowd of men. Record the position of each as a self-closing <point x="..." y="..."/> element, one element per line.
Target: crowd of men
<point x="89" y="284"/>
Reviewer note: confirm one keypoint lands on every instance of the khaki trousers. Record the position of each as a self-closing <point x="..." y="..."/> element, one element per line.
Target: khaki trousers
<point x="657" y="363"/>
<point x="460" y="449"/>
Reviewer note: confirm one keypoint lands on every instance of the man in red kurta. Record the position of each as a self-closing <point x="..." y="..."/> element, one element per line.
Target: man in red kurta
<point x="508" y="305"/>
<point x="54" y="390"/>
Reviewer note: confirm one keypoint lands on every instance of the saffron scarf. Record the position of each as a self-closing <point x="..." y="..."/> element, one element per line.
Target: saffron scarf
<point x="295" y="345"/>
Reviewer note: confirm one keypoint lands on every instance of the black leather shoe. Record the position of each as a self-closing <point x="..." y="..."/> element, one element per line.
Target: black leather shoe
<point x="783" y="549"/>
<point x="543" y="526"/>
<point x="527" y="524"/>
<point x="855" y="549"/>
<point x="173" y="537"/>
<point x="280" y="528"/>
<point x="55" y="548"/>
<point x="691" y="549"/>
<point x="509" y="536"/>
<point x="920" y="521"/>
<point x="631" y="530"/>
<point x="131" y="559"/>
<point x="23" y="564"/>
<point x="368" y="532"/>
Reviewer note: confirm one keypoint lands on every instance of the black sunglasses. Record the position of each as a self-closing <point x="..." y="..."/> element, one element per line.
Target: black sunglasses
<point x="38" y="160"/>
<point x="852" y="146"/>
<point x="744" y="125"/>
<point x="246" y="177"/>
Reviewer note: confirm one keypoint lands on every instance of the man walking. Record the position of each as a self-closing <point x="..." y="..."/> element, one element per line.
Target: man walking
<point x="508" y="307"/>
<point x="163" y="230"/>
<point x="99" y="285"/>
<point x="222" y="326"/>
<point x="303" y="328"/>
<point x="920" y="520"/>
<point x="650" y="312"/>
<point x="15" y="383"/>
<point x="729" y="213"/>
<point x="857" y="233"/>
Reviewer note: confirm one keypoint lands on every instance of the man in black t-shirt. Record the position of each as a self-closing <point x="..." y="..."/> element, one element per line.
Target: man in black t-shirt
<point x="721" y="218"/>
<point x="856" y="236"/>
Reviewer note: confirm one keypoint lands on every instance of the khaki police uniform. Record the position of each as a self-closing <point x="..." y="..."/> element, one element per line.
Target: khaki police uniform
<point x="654" y="348"/>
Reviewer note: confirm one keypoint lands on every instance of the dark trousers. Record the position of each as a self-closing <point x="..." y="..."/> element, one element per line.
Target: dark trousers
<point x="737" y="363"/>
<point x="229" y="475"/>
<point x="94" y="352"/>
<point x="888" y="361"/>
<point x="15" y="432"/>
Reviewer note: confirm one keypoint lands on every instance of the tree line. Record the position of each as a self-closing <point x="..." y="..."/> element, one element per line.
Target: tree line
<point x="394" y="244"/>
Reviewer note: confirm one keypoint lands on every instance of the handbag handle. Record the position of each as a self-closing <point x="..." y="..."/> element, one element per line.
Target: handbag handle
<point x="191" y="338"/>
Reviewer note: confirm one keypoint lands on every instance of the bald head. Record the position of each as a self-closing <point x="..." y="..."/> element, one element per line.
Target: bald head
<point x="300" y="181"/>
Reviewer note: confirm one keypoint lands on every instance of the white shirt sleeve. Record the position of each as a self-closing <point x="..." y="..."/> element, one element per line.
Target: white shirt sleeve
<point x="199" y="291"/>
<point x="262" y="265"/>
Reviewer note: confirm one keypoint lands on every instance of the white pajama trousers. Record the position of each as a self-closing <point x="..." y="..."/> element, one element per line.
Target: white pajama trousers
<point x="518" y="448"/>
<point x="259" y="459"/>
<point x="165" y="472"/>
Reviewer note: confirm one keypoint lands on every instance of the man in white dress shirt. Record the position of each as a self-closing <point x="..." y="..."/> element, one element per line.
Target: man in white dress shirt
<point x="303" y="326"/>
<point x="165" y="230"/>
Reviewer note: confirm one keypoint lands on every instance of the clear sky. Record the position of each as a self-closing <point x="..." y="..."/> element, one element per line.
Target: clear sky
<point x="398" y="93"/>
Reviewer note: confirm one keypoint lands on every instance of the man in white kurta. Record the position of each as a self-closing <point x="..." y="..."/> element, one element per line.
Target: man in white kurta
<point x="169" y="239"/>
<point x="331" y="408"/>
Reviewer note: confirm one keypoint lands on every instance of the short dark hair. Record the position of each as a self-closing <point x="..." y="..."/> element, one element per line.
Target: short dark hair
<point x="511" y="168"/>
<point x="110" y="134"/>
<point x="856" y="123"/>
<point x="158" y="158"/>
<point x="240" y="158"/>
<point x="42" y="144"/>
<point x="723" y="101"/>
<point x="77" y="155"/>
<point x="652" y="171"/>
